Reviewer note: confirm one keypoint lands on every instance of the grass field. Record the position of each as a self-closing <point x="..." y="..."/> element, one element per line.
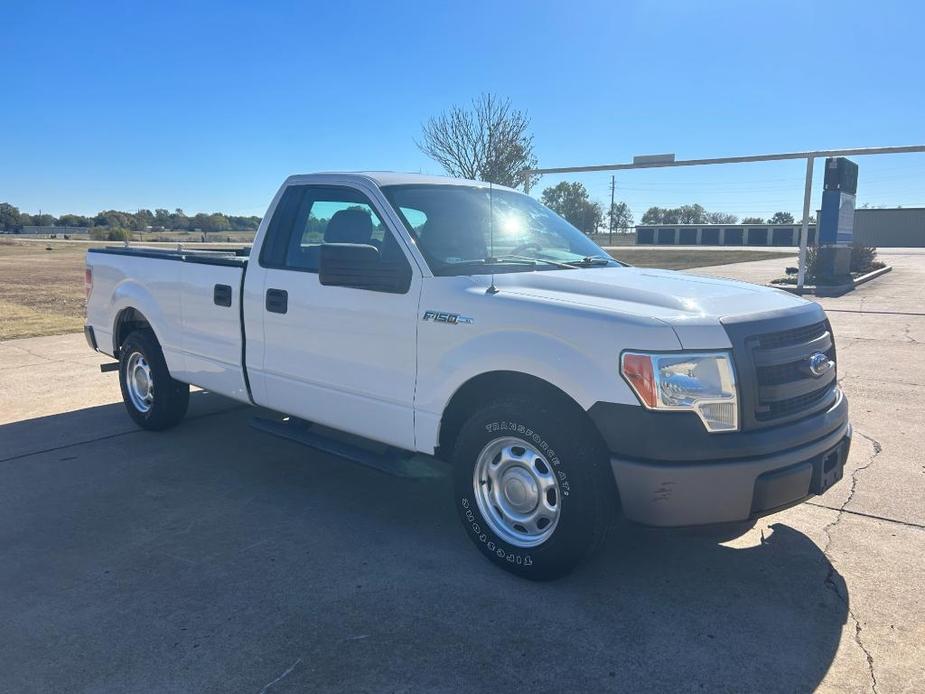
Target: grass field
<point x="155" y="236"/>
<point x="684" y="259"/>
<point x="42" y="291"/>
<point x="192" y="237"/>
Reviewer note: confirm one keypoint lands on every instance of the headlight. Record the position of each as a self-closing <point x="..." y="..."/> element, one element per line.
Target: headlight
<point x="703" y="383"/>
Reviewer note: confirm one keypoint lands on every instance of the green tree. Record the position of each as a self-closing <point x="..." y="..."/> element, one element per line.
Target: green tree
<point x="219" y="222"/>
<point x="143" y="219"/>
<point x="692" y="214"/>
<point x="721" y="218"/>
<point x="179" y="220"/>
<point x="161" y="218"/>
<point x="200" y="222"/>
<point x="781" y="218"/>
<point x="243" y="223"/>
<point x="490" y="141"/>
<point x="113" y="219"/>
<point x="43" y="220"/>
<point x="619" y="216"/>
<point x="208" y="223"/>
<point x="662" y="215"/>
<point x="73" y="220"/>
<point x="571" y="201"/>
<point x="753" y="220"/>
<point x="686" y="214"/>
<point x="10" y="217"/>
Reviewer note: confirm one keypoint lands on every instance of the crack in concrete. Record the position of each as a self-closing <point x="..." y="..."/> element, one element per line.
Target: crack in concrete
<point x="830" y="576"/>
<point x="885" y="519"/>
<point x="283" y="676"/>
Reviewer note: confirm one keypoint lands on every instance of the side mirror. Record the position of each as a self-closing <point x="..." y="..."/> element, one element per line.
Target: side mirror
<point x="360" y="266"/>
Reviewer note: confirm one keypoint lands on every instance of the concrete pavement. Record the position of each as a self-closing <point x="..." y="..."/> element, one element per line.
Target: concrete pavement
<point x="215" y="558"/>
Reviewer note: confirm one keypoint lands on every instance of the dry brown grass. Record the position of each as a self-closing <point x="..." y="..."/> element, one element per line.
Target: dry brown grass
<point x="684" y="259"/>
<point x="41" y="292"/>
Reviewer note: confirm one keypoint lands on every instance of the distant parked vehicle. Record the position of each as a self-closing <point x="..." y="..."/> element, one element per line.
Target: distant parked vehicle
<point x="469" y="322"/>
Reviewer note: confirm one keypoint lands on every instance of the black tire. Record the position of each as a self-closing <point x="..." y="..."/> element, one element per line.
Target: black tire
<point x="169" y="397"/>
<point x="586" y="490"/>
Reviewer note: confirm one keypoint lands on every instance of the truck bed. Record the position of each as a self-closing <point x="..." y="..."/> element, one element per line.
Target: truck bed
<point x="192" y="302"/>
<point x="236" y="258"/>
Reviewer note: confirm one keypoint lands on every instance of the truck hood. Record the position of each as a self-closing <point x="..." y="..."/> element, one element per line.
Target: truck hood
<point x="693" y="305"/>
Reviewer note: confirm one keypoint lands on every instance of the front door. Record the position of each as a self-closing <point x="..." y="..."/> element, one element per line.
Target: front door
<point x="337" y="356"/>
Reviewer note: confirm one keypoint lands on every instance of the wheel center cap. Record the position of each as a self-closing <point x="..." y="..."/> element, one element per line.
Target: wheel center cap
<point x="520" y="491"/>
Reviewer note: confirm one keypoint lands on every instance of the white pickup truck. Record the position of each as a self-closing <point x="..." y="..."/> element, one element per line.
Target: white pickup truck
<point x="426" y="315"/>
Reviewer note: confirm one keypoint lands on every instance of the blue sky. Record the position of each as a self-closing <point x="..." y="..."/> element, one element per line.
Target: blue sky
<point x="209" y="105"/>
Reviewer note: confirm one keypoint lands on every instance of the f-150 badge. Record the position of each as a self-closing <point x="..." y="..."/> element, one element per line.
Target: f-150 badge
<point x="441" y="317"/>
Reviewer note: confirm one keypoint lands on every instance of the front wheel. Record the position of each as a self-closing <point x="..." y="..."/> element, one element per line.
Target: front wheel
<point x="532" y="489"/>
<point x="153" y="399"/>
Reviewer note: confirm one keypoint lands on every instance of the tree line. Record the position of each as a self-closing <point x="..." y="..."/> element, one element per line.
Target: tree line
<point x="11" y="219"/>
<point x="695" y="214"/>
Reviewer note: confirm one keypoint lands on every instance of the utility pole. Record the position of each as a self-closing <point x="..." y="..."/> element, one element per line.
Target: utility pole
<point x="613" y="185"/>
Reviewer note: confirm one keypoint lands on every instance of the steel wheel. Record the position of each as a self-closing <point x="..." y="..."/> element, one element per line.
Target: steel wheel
<point x="517" y="492"/>
<point x="139" y="382"/>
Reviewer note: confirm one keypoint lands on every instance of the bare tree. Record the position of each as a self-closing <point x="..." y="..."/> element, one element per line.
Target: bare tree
<point x="488" y="142"/>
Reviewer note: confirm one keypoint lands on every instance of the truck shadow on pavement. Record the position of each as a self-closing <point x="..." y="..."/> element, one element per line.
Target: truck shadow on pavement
<point x="216" y="558"/>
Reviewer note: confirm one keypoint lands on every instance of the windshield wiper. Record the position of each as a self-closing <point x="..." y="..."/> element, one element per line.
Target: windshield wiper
<point x="508" y="260"/>
<point x="502" y="260"/>
<point x="590" y="261"/>
<point x="534" y="260"/>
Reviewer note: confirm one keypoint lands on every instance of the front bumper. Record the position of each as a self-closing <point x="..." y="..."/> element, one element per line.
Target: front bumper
<point x="726" y="489"/>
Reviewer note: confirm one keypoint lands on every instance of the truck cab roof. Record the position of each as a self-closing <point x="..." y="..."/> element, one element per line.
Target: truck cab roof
<point x="390" y="178"/>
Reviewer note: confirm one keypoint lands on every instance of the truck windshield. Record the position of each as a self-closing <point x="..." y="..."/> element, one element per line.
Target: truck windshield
<point x="467" y="230"/>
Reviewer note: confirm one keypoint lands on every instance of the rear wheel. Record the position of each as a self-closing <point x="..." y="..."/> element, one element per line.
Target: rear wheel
<point x="153" y="399"/>
<point x="532" y="487"/>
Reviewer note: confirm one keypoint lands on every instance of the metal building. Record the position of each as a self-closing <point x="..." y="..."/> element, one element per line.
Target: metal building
<point x="890" y="227"/>
<point x="885" y="228"/>
<point x="722" y="234"/>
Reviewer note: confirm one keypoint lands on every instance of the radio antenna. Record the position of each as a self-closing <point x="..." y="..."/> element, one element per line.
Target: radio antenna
<point x="491" y="238"/>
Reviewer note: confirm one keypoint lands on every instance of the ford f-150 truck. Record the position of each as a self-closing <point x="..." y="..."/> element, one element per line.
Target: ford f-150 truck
<point x="426" y="315"/>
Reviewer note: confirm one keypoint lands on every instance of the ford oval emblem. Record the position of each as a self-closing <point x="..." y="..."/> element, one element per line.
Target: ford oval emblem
<point x="819" y="364"/>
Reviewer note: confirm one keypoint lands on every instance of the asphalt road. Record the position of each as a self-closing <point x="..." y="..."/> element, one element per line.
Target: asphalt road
<point x="216" y="558"/>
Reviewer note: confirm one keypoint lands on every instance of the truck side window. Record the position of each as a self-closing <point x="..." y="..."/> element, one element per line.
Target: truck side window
<point x="308" y="216"/>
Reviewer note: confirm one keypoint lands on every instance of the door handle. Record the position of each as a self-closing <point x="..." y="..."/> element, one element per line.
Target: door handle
<point x="221" y="295"/>
<point x="277" y="300"/>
